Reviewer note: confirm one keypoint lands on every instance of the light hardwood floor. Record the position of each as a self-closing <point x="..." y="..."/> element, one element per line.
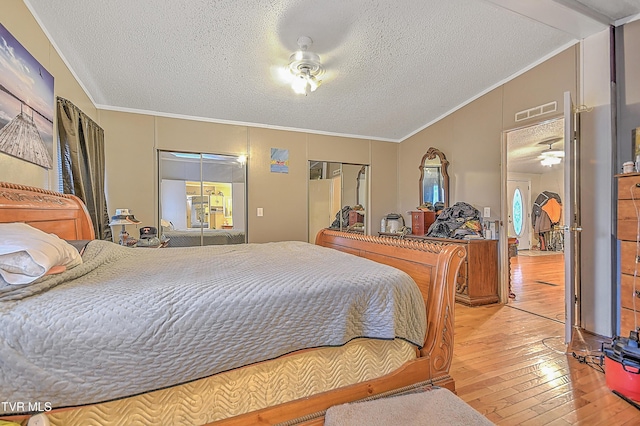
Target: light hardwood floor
<point x="512" y="365"/>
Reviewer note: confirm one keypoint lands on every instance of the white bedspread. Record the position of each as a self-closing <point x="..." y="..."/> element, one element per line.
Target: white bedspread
<point x="128" y="321"/>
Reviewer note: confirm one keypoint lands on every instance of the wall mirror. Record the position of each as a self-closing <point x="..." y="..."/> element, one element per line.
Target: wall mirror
<point x="434" y="178"/>
<point x="333" y="188"/>
<point x="202" y="198"/>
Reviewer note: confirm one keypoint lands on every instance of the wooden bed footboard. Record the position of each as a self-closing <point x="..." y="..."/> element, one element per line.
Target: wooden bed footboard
<point x="433" y="266"/>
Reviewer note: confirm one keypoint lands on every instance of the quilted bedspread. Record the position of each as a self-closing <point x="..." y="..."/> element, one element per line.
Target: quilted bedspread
<point x="128" y="321"/>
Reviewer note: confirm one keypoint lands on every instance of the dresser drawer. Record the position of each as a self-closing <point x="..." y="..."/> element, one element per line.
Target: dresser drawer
<point x="627" y="220"/>
<point x="628" y="187"/>
<point x="628" y="255"/>
<point x="627" y="294"/>
<point x="627" y="321"/>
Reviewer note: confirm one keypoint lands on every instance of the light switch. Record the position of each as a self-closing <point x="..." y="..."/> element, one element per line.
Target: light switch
<point x="260" y="211"/>
<point x="487" y="212"/>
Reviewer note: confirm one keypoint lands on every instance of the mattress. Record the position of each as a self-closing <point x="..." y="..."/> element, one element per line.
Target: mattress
<point x="205" y="237"/>
<point x="129" y="321"/>
<point x="250" y="388"/>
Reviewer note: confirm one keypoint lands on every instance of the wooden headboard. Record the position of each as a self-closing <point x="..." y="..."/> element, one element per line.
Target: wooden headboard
<point x="61" y="214"/>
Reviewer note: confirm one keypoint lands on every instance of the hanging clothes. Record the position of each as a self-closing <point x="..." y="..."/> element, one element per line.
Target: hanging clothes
<point x="546" y="215"/>
<point x="554" y="209"/>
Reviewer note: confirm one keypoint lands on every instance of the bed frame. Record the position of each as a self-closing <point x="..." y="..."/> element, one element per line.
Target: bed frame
<point x="434" y="266"/>
<point x="61" y="214"/>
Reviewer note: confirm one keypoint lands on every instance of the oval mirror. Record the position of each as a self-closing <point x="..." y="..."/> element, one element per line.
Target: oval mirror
<point x="434" y="179"/>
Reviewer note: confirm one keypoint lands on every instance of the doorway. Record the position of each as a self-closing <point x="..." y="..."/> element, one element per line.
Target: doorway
<point x="535" y="197"/>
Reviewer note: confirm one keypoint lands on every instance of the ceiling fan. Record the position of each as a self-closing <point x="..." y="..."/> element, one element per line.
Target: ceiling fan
<point x="551" y="156"/>
<point x="304" y="70"/>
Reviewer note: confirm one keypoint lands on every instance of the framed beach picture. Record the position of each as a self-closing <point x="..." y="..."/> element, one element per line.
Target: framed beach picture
<point x="26" y="104"/>
<point x="279" y="160"/>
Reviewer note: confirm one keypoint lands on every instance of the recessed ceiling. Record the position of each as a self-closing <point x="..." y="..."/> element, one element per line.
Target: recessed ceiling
<point x="392" y="67"/>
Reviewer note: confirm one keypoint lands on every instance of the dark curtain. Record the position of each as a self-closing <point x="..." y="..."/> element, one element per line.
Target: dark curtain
<point x="82" y="160"/>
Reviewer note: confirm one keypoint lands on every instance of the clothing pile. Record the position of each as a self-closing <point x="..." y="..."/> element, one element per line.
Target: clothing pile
<point x="458" y="221"/>
<point x="342" y="218"/>
<point x="546" y="215"/>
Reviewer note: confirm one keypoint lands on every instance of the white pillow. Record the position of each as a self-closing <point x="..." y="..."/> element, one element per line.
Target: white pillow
<point x="27" y="253"/>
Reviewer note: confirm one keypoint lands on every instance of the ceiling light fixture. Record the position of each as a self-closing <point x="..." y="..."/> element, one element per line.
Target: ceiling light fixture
<point x="551" y="156"/>
<point x="305" y="67"/>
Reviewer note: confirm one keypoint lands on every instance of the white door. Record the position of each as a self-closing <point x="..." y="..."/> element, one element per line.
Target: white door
<point x="173" y="202"/>
<point x="520" y="212"/>
<point x="571" y="217"/>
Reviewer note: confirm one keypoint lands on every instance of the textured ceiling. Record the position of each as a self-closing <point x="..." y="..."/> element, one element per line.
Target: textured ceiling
<point x="392" y="67"/>
<point x="525" y="146"/>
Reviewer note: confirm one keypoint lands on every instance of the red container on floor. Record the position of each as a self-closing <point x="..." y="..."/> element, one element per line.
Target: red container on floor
<point x="622" y="367"/>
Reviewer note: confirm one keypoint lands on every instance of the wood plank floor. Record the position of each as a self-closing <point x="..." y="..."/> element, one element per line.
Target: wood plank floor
<point x="513" y="367"/>
<point x="537" y="280"/>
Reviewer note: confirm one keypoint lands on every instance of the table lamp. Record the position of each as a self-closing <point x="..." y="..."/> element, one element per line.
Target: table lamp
<point x="123" y="217"/>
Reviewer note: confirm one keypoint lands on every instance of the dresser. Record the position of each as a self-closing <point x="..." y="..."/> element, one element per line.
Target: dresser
<point x="628" y="191"/>
<point x="421" y="220"/>
<point x="478" y="278"/>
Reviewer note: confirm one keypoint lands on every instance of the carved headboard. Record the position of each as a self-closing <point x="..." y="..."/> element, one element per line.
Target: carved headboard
<point x="61" y="214"/>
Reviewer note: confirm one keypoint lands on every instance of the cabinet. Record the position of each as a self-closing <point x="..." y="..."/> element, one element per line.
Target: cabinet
<point x="627" y="229"/>
<point x="477" y="282"/>
<point x="356" y="216"/>
<point x="421" y="221"/>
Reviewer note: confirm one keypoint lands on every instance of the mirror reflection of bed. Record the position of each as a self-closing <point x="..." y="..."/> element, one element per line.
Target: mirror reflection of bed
<point x="202" y="199"/>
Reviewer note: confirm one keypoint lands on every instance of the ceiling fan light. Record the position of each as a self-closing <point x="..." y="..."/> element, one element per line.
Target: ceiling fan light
<point x="300" y="84"/>
<point x="550" y="161"/>
<point x="313" y="83"/>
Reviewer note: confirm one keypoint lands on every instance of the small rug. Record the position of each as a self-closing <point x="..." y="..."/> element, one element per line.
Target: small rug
<point x="429" y="406"/>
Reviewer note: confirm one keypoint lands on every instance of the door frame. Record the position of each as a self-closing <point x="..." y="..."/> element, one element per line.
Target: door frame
<point x="503" y="242"/>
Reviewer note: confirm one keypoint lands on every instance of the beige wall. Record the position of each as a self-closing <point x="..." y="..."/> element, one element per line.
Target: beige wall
<point x="282" y="196"/>
<point x="471" y="140"/>
<point x="132" y="141"/>
<point x="17" y="19"/>
<point x="471" y="137"/>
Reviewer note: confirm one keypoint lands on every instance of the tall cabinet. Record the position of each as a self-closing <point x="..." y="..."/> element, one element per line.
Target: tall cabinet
<point x="627" y="233"/>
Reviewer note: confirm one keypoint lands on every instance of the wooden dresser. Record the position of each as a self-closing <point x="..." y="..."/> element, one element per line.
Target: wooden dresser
<point x="628" y="191"/>
<point x="478" y="277"/>
<point x="421" y="221"/>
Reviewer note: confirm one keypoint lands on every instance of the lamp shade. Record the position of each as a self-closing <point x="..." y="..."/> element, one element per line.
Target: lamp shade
<point x="123" y="217"/>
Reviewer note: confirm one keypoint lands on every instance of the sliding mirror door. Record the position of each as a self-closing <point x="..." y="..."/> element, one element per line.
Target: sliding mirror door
<point x="338" y="197"/>
<point x="202" y="198"/>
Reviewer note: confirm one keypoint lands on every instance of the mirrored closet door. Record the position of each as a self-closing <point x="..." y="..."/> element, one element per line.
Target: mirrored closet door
<point x="338" y="197"/>
<point x="202" y="198"/>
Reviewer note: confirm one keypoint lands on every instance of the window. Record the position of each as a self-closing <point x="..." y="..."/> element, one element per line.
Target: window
<point x="518" y="212"/>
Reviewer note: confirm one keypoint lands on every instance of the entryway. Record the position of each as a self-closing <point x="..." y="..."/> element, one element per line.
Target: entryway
<point x="535" y="191"/>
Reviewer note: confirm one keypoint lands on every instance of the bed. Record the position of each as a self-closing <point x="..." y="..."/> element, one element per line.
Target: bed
<point x="205" y="237"/>
<point x="249" y="357"/>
